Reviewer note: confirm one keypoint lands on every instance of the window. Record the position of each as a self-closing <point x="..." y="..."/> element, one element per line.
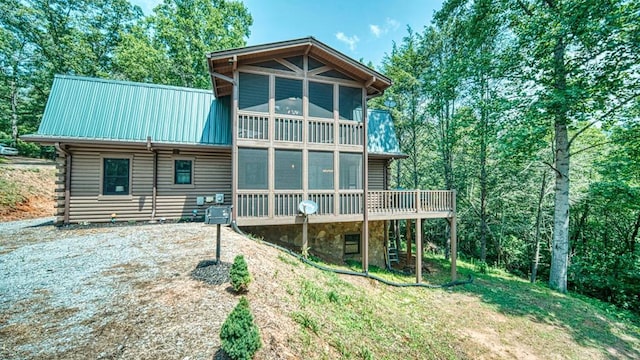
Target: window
<point x="350" y="102"/>
<point x="252" y="169"/>
<point x="350" y="171"/>
<point x="320" y="100"/>
<point x="288" y="172"/>
<point x="254" y="92"/>
<point x="115" y="176"/>
<point x="288" y="96"/>
<point x="320" y="170"/>
<point x="183" y="172"/>
<point x="352" y="244"/>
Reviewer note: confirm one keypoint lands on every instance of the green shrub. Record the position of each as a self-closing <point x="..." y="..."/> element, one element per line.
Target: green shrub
<point x="482" y="267"/>
<point x="239" y="334"/>
<point x="239" y="273"/>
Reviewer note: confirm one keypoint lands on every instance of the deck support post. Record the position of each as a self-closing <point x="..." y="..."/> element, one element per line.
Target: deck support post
<point x="365" y="186"/>
<point x="454" y="245"/>
<point x="305" y="237"/>
<point x="418" y="250"/>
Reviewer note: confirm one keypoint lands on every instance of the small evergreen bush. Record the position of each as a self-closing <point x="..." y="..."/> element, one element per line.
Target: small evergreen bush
<point x="239" y="334"/>
<point x="239" y="273"/>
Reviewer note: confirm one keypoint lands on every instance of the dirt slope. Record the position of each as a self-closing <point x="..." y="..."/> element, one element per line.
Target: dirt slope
<point x="27" y="188"/>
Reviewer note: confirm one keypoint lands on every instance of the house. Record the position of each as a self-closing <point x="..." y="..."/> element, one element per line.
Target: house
<point x="286" y="122"/>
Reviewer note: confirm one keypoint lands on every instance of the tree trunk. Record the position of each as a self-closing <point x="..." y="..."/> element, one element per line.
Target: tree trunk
<point x="536" y="252"/>
<point x="14" y="111"/>
<point x="560" y="246"/>
<point x="483" y="174"/>
<point x="631" y="246"/>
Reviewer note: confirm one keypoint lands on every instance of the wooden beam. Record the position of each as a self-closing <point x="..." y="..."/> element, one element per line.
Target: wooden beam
<point x="235" y="63"/>
<point x="223" y="77"/>
<point x="365" y="185"/>
<point x="370" y="82"/>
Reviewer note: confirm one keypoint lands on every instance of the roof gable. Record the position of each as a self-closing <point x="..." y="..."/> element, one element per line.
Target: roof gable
<point x="222" y="63"/>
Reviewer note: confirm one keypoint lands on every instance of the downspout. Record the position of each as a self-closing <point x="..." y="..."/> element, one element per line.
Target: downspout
<point x="154" y="193"/>
<point x="67" y="181"/>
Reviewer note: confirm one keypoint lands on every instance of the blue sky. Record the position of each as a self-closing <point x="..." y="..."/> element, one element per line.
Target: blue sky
<point x="357" y="28"/>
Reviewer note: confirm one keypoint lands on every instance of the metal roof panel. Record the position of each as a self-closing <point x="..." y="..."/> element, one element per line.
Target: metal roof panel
<point x="120" y="110"/>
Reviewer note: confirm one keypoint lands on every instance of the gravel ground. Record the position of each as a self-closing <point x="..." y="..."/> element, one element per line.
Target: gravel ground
<point x="129" y="291"/>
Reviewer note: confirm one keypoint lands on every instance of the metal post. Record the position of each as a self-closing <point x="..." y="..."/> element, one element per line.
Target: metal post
<point x="218" y="244"/>
<point x="305" y="241"/>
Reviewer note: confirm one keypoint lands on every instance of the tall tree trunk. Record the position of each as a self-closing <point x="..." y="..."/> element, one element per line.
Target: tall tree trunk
<point x="631" y="246"/>
<point x="560" y="246"/>
<point x="536" y="252"/>
<point x="14" y="111"/>
<point x="483" y="173"/>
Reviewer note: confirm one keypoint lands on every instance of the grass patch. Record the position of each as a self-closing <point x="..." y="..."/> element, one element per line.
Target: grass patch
<point x="479" y="320"/>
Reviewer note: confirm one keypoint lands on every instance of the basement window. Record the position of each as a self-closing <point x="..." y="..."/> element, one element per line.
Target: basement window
<point x="352" y="244"/>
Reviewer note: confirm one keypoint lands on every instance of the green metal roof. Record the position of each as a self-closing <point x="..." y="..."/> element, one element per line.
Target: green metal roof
<point x="382" y="139"/>
<point x="90" y="108"/>
<point x="96" y="109"/>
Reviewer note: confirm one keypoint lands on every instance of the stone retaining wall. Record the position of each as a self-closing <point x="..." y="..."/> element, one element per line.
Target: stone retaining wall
<point x="325" y="240"/>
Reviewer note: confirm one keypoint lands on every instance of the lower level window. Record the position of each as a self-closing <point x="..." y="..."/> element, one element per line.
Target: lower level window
<point x="351" y="244"/>
<point x="183" y="170"/>
<point x="115" y="179"/>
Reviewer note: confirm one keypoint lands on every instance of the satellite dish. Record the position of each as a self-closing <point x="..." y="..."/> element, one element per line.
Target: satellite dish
<point x="308" y="207"/>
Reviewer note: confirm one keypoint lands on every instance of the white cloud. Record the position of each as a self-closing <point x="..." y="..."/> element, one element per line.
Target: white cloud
<point x="389" y="25"/>
<point x="349" y="40"/>
<point x="375" y="30"/>
<point x="392" y="24"/>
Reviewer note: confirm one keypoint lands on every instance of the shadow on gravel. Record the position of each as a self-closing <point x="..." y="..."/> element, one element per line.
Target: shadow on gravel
<point x="212" y="273"/>
<point x="220" y="355"/>
<point x="44" y="223"/>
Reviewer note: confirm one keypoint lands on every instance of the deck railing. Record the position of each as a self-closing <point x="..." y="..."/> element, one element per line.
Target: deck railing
<point x="258" y="204"/>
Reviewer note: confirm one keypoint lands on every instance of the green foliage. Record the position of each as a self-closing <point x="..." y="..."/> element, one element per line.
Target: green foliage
<point x="239" y="335"/>
<point x="28" y="149"/>
<point x="10" y="194"/>
<point x="481" y="267"/>
<point x="168" y="47"/>
<point x="306" y="321"/>
<point x="239" y="273"/>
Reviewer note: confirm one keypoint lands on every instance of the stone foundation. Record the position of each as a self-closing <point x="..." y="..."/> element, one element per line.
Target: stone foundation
<point x="326" y="241"/>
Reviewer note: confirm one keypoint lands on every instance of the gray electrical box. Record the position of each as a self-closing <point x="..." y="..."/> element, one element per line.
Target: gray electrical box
<point x="220" y="214"/>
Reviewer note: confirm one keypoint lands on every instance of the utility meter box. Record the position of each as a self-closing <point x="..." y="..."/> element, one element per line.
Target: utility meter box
<point x="219" y="214"/>
<point x="219" y="198"/>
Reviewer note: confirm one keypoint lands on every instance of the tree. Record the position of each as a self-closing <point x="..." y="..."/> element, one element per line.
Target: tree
<point x="169" y="47"/>
<point x="239" y="273"/>
<point x="239" y="334"/>
<point x="579" y="60"/>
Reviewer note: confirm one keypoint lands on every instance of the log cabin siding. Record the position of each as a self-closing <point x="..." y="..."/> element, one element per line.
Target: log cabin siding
<point x="211" y="175"/>
<point x="376" y="174"/>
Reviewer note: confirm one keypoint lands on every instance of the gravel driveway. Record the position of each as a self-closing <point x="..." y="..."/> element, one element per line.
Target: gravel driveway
<point x="123" y="291"/>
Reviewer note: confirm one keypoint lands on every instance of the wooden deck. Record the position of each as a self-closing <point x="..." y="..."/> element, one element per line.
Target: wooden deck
<point x="281" y="208"/>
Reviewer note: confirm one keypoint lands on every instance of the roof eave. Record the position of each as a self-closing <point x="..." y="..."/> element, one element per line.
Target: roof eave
<point x="52" y="140"/>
